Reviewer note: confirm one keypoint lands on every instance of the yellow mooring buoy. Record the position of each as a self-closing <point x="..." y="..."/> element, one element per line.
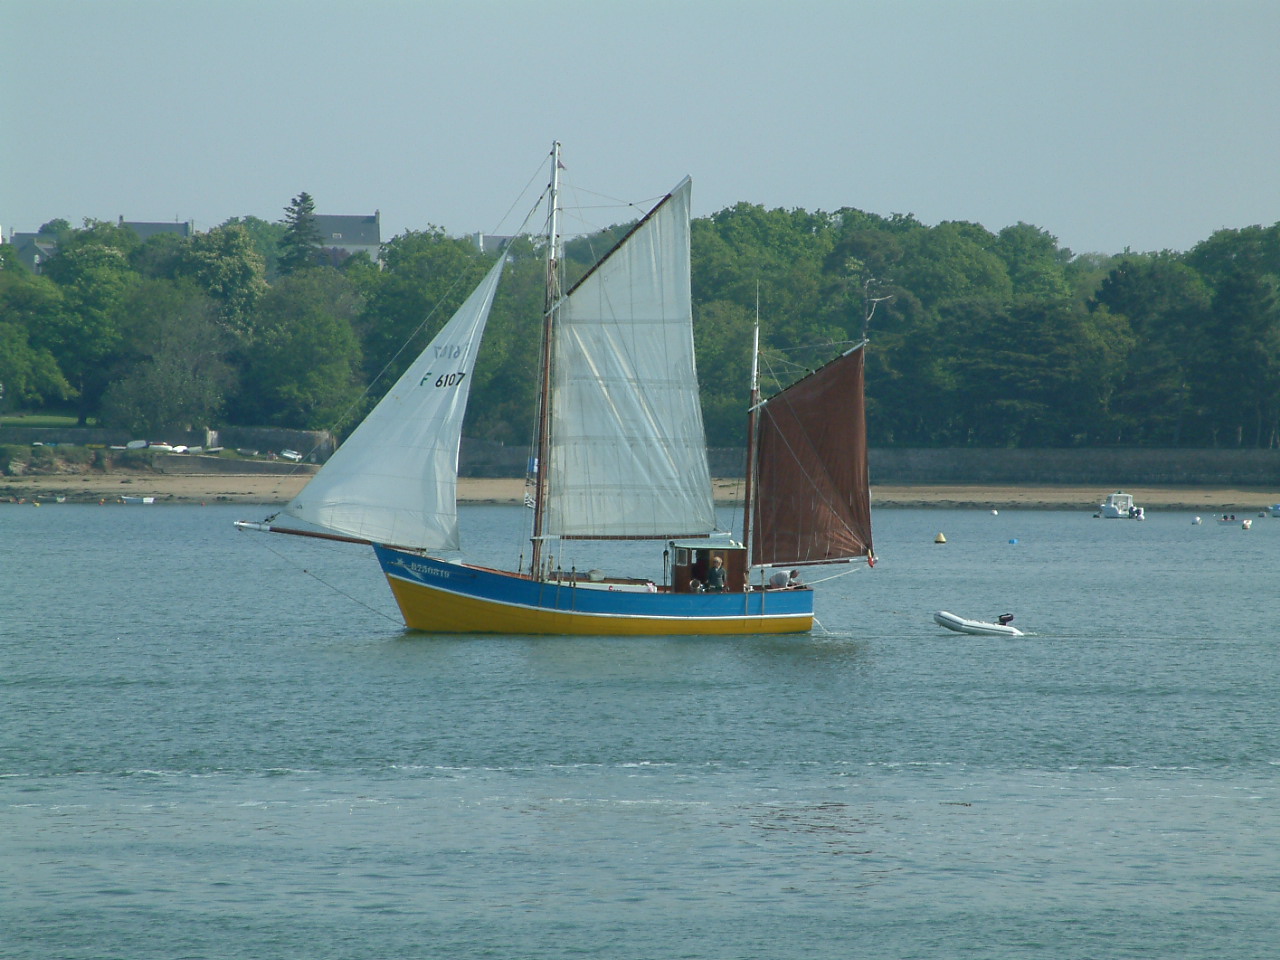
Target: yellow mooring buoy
<point x="939" y="539"/>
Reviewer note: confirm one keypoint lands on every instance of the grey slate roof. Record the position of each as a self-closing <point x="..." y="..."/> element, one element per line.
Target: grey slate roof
<point x="147" y="229"/>
<point x="345" y="231"/>
<point x="34" y="248"/>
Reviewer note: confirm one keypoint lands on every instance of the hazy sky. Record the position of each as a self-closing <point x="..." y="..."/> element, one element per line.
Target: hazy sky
<point x="1145" y="124"/>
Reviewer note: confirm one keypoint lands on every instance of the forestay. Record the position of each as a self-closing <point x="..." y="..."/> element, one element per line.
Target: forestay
<point x="395" y="478"/>
<point x="628" y="451"/>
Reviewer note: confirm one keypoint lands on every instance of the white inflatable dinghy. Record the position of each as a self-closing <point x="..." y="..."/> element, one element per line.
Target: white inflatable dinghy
<point x="960" y="625"/>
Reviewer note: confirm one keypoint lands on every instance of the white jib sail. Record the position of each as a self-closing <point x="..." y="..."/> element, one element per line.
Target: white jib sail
<point x="628" y="452"/>
<point x="395" y="478"/>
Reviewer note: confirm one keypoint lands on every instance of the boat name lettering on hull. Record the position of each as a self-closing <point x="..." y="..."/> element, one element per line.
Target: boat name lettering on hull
<point x="422" y="570"/>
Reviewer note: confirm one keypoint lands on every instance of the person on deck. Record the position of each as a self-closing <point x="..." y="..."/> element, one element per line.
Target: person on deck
<point x="781" y="580"/>
<point x="716" y="576"/>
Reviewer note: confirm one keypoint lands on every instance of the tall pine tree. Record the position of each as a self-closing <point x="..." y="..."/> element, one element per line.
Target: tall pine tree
<point x="300" y="245"/>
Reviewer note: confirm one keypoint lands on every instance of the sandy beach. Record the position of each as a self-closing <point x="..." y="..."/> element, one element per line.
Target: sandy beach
<point x="275" y="490"/>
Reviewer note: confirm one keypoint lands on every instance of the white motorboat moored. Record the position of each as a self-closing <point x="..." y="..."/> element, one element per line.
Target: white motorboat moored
<point x="1001" y="628"/>
<point x="1119" y="506"/>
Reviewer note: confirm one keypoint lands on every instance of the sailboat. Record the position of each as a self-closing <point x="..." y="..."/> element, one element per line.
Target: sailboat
<point x="621" y="455"/>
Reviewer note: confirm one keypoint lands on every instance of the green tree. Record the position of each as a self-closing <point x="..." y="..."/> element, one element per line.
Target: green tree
<point x="300" y="244"/>
<point x="746" y="256"/>
<point x="266" y="237"/>
<point x="56" y="227"/>
<point x="953" y="261"/>
<point x="173" y="374"/>
<point x="1226" y="253"/>
<point x="304" y="369"/>
<point x="28" y="376"/>
<point x="160" y="256"/>
<point x="1035" y="263"/>
<point x="1042" y="375"/>
<point x="426" y="278"/>
<point x="226" y="265"/>
<point x="1236" y="373"/>
<point x="93" y="272"/>
<point x="1165" y="303"/>
<point x="29" y="373"/>
<point x="723" y="338"/>
<point x="504" y="392"/>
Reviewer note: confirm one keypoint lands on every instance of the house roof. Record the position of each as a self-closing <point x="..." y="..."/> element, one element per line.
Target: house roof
<point x="346" y="231"/>
<point x="147" y="229"/>
<point x="34" y="248"/>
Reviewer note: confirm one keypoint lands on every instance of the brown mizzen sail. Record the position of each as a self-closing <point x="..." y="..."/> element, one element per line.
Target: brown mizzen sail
<point x="812" y="501"/>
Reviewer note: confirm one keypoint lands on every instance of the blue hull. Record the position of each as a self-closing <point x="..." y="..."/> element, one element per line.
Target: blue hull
<point x="441" y="596"/>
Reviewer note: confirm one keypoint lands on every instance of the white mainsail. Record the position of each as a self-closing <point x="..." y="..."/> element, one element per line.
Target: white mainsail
<point x="395" y="478"/>
<point x="628" y="452"/>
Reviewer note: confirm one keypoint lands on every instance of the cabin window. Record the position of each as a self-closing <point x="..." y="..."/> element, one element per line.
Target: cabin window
<point x="682" y="557"/>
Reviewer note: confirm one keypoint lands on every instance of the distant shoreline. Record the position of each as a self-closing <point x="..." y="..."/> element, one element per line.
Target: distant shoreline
<point x="278" y="489"/>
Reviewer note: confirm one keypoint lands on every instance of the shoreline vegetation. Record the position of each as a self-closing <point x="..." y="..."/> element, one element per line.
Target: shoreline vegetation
<point x="274" y="490"/>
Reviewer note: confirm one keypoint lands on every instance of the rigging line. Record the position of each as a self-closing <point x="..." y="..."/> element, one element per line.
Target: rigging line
<point x="457" y="280"/>
<point x="323" y="582"/>
<point x="639" y="209"/>
<point x="615" y="202"/>
<point x="537" y="171"/>
<point x="342" y="417"/>
<point x="620" y="205"/>
<point x="814" y="346"/>
<point x="778" y="362"/>
<point x="835" y="576"/>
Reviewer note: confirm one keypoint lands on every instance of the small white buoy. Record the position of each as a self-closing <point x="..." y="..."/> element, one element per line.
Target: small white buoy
<point x="939" y="539"/>
<point x="995" y="513"/>
<point x="1196" y="520"/>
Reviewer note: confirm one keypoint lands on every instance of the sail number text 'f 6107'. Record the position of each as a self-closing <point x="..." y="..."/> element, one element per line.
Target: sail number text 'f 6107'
<point x="445" y="379"/>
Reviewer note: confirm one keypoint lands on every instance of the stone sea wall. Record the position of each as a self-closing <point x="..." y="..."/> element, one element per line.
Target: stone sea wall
<point x="316" y="445"/>
<point x="1105" y="467"/>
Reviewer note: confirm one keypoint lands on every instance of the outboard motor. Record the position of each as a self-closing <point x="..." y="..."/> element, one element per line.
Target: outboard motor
<point x="1005" y="619"/>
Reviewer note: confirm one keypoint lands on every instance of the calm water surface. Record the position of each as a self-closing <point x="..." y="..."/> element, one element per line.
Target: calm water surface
<point x="219" y="744"/>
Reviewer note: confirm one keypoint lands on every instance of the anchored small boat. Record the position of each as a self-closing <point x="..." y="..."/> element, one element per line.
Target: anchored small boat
<point x="137" y="500"/>
<point x="1231" y="520"/>
<point x="1001" y="628"/>
<point x="1120" y="506"/>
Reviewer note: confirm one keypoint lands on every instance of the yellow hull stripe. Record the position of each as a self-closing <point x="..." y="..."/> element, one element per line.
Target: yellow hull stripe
<point x="439" y="611"/>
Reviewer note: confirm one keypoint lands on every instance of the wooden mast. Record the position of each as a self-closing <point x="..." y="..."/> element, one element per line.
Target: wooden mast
<point x="748" y="492"/>
<point x="550" y="308"/>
